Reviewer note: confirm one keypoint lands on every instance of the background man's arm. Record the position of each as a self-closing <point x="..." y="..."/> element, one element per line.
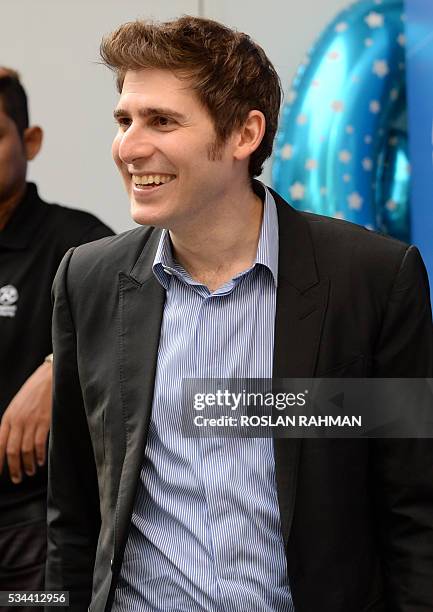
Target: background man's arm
<point x="403" y="469"/>
<point x="25" y="425"/>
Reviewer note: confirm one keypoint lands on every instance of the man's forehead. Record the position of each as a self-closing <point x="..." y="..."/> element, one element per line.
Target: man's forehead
<point x="154" y="80"/>
<point x="157" y="89"/>
<point x="132" y="77"/>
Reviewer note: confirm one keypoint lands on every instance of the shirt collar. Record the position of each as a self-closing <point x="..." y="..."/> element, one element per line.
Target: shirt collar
<point x="164" y="266"/>
<point x="267" y="250"/>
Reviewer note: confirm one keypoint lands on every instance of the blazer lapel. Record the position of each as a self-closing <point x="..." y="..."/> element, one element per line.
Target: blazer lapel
<point x="300" y="311"/>
<point x="141" y="304"/>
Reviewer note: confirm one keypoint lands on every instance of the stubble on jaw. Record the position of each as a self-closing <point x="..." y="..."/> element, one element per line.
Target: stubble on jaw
<point x="215" y="150"/>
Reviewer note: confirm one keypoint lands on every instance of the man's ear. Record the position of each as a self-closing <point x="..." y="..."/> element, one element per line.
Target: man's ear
<point x="250" y="135"/>
<point x="32" y="141"/>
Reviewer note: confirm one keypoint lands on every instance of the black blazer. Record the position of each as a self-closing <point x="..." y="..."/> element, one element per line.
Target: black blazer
<point x="356" y="515"/>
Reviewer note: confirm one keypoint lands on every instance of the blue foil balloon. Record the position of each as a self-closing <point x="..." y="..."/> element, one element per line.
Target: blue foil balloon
<point x="341" y="148"/>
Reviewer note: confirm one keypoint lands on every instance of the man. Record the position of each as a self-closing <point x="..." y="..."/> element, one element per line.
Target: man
<point x="34" y="236"/>
<point x="236" y="285"/>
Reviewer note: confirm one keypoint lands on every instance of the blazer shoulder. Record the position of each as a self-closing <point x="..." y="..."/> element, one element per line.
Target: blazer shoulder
<point x="337" y="239"/>
<point x="346" y="253"/>
<point x="104" y="258"/>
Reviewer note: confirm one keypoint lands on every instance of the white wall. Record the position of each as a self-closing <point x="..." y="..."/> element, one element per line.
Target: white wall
<point x="54" y="45"/>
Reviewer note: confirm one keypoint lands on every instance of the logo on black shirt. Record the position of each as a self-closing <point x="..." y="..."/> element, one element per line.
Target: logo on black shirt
<point x="8" y="298"/>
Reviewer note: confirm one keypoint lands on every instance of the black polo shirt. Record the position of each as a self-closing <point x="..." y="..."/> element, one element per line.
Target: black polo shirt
<point x="31" y="247"/>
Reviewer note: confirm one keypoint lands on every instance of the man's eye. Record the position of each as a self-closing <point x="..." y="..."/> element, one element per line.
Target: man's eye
<point x="162" y="121"/>
<point x="123" y="122"/>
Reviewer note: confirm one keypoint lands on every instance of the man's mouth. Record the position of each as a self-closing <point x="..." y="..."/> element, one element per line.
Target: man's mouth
<point x="150" y="181"/>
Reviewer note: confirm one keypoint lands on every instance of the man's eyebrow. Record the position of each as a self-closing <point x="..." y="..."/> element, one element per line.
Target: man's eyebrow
<point x="150" y="112"/>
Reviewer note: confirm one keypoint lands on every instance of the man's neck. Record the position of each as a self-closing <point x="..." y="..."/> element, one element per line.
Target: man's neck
<point x="223" y="247"/>
<point x="8" y="206"/>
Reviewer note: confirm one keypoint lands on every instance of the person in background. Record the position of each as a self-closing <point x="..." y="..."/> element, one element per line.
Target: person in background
<point x="34" y="236"/>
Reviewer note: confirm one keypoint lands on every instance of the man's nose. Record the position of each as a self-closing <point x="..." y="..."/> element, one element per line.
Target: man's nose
<point x="135" y="144"/>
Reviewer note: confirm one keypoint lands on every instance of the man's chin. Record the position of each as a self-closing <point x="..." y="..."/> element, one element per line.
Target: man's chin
<point x="145" y="216"/>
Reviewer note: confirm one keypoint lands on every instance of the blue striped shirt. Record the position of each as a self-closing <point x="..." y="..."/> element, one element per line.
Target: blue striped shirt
<point x="205" y="532"/>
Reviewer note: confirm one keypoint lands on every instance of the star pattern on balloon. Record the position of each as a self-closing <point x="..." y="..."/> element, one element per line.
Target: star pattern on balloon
<point x="374" y="20"/>
<point x="297" y="191"/>
<point x="342" y="26"/>
<point x="311" y="164"/>
<point x="345" y="156"/>
<point x="380" y="68"/>
<point x="291" y="96"/>
<point x="337" y="106"/>
<point x="287" y="151"/>
<point x="355" y="201"/>
<point x="367" y="164"/>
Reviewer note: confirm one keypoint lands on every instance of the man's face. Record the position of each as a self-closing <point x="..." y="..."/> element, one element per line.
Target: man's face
<point x="165" y="136"/>
<point x="13" y="162"/>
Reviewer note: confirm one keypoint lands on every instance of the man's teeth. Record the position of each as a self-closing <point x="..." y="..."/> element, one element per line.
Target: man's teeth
<point x="150" y="179"/>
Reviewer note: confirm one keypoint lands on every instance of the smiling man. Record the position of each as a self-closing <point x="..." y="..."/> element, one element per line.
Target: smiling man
<point x="225" y="280"/>
<point x="179" y="177"/>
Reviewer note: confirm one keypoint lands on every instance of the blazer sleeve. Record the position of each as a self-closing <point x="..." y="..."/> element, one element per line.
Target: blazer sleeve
<point x="403" y="468"/>
<point x="73" y="500"/>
